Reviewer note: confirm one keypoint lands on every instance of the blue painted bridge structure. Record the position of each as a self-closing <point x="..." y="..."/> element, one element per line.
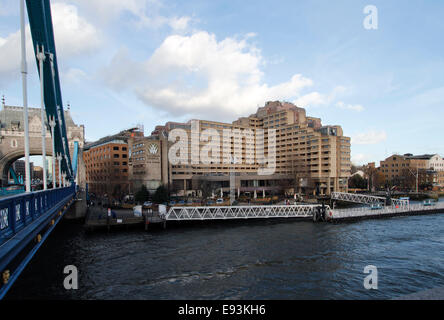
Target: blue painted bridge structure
<point x="40" y="22"/>
<point x="27" y="219"/>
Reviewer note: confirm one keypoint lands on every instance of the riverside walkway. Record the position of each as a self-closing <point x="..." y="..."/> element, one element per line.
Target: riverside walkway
<point x="376" y="208"/>
<point x="98" y="216"/>
<point x="385" y="212"/>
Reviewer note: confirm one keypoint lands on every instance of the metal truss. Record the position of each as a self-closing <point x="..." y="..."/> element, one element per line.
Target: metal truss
<point x="241" y="212"/>
<point x="365" y="199"/>
<point x="357" y="198"/>
<point x="400" y="203"/>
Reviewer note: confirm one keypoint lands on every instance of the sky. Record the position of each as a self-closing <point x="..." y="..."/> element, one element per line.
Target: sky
<point x="124" y="63"/>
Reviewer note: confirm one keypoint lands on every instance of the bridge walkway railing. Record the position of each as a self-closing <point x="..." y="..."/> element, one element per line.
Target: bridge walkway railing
<point x="23" y="216"/>
<point x="16" y="212"/>
<point x="366" y="199"/>
<point x="366" y="211"/>
<point x="26" y="218"/>
<point x="240" y="212"/>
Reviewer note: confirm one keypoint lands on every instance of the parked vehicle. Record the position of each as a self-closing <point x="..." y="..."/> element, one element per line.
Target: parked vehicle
<point x="376" y="206"/>
<point x="428" y="203"/>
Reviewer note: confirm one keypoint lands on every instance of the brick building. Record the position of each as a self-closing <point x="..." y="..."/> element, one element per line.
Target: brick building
<point x="106" y="164"/>
<point x="401" y="170"/>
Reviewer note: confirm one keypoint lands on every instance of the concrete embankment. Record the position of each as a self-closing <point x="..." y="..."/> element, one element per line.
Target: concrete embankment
<point x="99" y="217"/>
<point x="79" y="208"/>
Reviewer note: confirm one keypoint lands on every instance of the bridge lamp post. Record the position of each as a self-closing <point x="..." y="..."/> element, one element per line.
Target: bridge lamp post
<point x="25" y="95"/>
<point x="64" y="179"/>
<point x="52" y="124"/>
<point x="59" y="159"/>
<point x="41" y="58"/>
<point x="416" y="176"/>
<point x="233" y="161"/>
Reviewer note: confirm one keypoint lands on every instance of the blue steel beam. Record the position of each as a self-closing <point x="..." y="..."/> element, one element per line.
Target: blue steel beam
<point x="14" y="175"/>
<point x="74" y="158"/>
<point x="40" y="21"/>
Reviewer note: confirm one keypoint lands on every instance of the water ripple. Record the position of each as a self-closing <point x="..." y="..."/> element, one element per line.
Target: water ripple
<point x="257" y="260"/>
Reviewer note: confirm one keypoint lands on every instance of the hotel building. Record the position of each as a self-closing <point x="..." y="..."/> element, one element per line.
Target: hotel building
<point x="310" y="158"/>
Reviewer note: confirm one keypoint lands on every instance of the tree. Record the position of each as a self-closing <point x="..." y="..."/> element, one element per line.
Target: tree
<point x="409" y="179"/>
<point x="354" y="169"/>
<point x="378" y="180"/>
<point x="301" y="175"/>
<point x="206" y="187"/>
<point x="142" y="195"/>
<point x="357" y="182"/>
<point x="161" y="195"/>
<point x="117" y="192"/>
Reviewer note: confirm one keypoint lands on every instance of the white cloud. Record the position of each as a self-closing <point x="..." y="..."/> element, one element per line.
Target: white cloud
<point x="370" y="137"/>
<point x="317" y="99"/>
<point x="179" y="23"/>
<point x="74" y="75"/>
<point x="338" y="90"/>
<point x="311" y="99"/>
<point x="110" y="9"/>
<point x="360" y="159"/>
<point x="197" y="74"/>
<point x="356" y="107"/>
<point x="123" y="73"/>
<point x="11" y="54"/>
<point x="142" y="13"/>
<point x="73" y="36"/>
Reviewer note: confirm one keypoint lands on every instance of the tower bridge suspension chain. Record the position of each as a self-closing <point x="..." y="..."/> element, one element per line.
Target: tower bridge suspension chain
<point x="26" y="220"/>
<point x="40" y="22"/>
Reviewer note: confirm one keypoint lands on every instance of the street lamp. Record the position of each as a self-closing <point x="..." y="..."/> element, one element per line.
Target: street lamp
<point x="59" y="159"/>
<point x="64" y="179"/>
<point x="233" y="161"/>
<point x="52" y="124"/>
<point x="41" y="58"/>
<point x="25" y="95"/>
<point x="417" y="175"/>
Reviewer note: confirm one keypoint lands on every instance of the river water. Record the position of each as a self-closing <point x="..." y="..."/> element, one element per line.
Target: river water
<point x="241" y="260"/>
